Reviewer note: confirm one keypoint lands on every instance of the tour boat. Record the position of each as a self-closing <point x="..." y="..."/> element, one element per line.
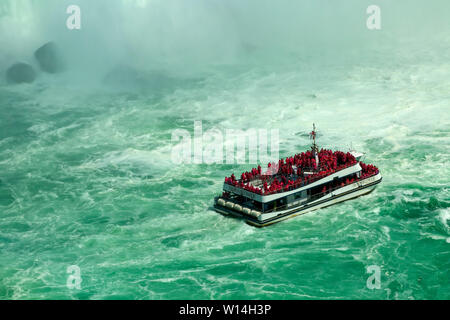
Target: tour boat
<point x="296" y="185"/>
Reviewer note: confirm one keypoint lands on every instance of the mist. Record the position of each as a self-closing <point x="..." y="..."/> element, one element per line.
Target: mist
<point x="188" y="37"/>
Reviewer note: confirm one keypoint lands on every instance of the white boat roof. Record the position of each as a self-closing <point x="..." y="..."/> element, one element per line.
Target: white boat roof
<point x="357" y="155"/>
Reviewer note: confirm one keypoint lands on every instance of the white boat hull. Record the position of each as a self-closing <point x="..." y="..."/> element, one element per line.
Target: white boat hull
<point x="350" y="191"/>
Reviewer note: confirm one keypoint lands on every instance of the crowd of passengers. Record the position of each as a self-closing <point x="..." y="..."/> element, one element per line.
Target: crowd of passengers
<point x="291" y="171"/>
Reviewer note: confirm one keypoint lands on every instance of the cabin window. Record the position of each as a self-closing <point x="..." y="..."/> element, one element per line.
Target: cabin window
<point x="268" y="206"/>
<point x="300" y="195"/>
<point x="257" y="205"/>
<point x="290" y="198"/>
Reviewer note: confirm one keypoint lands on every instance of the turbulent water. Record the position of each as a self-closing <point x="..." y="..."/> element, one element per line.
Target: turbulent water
<point x="86" y="176"/>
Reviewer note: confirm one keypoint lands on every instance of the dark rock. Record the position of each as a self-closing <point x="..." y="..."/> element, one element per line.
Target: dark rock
<point x="49" y="58"/>
<point x="20" y="73"/>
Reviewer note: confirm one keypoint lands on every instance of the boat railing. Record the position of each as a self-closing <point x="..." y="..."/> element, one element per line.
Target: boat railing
<point x="303" y="183"/>
<point x="309" y="181"/>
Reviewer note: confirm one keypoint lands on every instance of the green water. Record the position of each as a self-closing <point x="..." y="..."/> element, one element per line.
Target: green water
<point x="86" y="179"/>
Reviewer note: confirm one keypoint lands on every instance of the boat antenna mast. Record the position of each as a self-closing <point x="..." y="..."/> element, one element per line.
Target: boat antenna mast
<point x="314" y="147"/>
<point x="312" y="135"/>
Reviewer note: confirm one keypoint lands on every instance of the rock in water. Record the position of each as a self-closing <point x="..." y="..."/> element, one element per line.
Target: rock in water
<point x="49" y="58"/>
<point x="20" y="73"/>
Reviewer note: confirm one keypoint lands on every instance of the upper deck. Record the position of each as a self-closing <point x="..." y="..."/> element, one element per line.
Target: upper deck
<point x="305" y="186"/>
<point x="296" y="174"/>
